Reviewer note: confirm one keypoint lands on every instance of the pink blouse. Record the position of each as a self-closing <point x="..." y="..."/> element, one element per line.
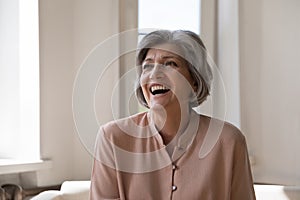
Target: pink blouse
<point x="131" y="162"/>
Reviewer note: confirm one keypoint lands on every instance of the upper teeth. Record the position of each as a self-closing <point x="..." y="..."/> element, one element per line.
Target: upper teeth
<point x="158" y="87"/>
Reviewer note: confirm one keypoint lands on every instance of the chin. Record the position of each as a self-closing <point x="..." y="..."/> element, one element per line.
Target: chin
<point x="161" y="105"/>
<point x="155" y="106"/>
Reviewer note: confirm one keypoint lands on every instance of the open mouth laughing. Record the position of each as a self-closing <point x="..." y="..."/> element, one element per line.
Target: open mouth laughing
<point x="158" y="89"/>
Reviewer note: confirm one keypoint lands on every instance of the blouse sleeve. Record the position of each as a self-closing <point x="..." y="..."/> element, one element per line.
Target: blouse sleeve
<point x="242" y="183"/>
<point x="104" y="184"/>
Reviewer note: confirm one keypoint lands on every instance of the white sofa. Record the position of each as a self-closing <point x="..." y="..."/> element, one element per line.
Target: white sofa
<point x="79" y="190"/>
<point x="277" y="192"/>
<point x="70" y="190"/>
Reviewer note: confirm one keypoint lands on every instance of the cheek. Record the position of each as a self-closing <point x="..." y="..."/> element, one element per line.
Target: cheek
<point x="181" y="80"/>
<point x="189" y="81"/>
<point x="146" y="95"/>
<point x="143" y="84"/>
<point x="183" y="85"/>
<point x="144" y="90"/>
<point x="142" y="79"/>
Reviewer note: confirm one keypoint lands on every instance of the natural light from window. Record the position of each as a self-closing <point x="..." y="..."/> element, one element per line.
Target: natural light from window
<point x="19" y="81"/>
<point x="169" y="14"/>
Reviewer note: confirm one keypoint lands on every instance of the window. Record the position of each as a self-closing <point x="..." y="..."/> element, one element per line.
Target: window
<point x="19" y="81"/>
<point x="168" y="14"/>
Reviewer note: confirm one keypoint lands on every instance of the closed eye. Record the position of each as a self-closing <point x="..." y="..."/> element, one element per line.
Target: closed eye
<point x="147" y="66"/>
<point x="171" y="63"/>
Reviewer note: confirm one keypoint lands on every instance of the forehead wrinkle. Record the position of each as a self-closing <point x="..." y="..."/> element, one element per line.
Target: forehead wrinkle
<point x="170" y="56"/>
<point x="160" y="54"/>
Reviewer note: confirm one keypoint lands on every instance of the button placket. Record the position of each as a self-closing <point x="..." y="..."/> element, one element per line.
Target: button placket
<point x="174" y="187"/>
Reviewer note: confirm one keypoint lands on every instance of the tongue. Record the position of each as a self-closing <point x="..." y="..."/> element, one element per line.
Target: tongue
<point x="159" y="92"/>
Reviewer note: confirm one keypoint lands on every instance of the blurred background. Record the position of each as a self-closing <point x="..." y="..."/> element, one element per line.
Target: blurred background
<point x="254" y="43"/>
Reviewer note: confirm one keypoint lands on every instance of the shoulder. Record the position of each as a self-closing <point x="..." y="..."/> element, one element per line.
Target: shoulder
<point x="124" y="125"/>
<point x="232" y="133"/>
<point x="130" y="134"/>
<point x="228" y="134"/>
<point x="232" y="139"/>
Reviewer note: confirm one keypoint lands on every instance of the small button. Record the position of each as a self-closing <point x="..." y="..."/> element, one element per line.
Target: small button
<point x="174" y="167"/>
<point x="174" y="187"/>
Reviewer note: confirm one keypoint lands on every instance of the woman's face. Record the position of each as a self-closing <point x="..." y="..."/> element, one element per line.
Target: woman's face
<point x="165" y="78"/>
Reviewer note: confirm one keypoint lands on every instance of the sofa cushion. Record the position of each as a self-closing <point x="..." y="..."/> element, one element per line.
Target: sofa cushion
<point x="276" y="192"/>
<point x="48" y="195"/>
<point x="70" y="190"/>
<point x="75" y="190"/>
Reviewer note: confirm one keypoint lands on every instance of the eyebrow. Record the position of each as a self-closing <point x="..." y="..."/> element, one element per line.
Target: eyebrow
<point x="164" y="57"/>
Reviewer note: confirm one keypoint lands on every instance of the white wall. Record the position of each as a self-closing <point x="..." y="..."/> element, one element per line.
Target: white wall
<point x="270" y="87"/>
<point x="269" y="47"/>
<point x="69" y="29"/>
<point x="220" y="33"/>
<point x="57" y="72"/>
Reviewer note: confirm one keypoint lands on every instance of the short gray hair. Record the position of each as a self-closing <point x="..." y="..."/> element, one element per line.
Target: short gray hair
<point x="193" y="51"/>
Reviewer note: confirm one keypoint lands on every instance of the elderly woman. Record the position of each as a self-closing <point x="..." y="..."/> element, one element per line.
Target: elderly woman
<point x="155" y="154"/>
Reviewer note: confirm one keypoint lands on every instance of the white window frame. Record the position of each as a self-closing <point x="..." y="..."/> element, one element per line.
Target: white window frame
<point x="23" y="150"/>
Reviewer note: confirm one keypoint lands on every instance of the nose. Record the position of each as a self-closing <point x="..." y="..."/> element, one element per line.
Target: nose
<point x="157" y="71"/>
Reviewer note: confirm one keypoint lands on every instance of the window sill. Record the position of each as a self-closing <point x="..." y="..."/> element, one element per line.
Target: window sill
<point x="10" y="166"/>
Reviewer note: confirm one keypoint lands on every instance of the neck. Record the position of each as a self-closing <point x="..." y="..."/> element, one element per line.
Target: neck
<point x="171" y="121"/>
